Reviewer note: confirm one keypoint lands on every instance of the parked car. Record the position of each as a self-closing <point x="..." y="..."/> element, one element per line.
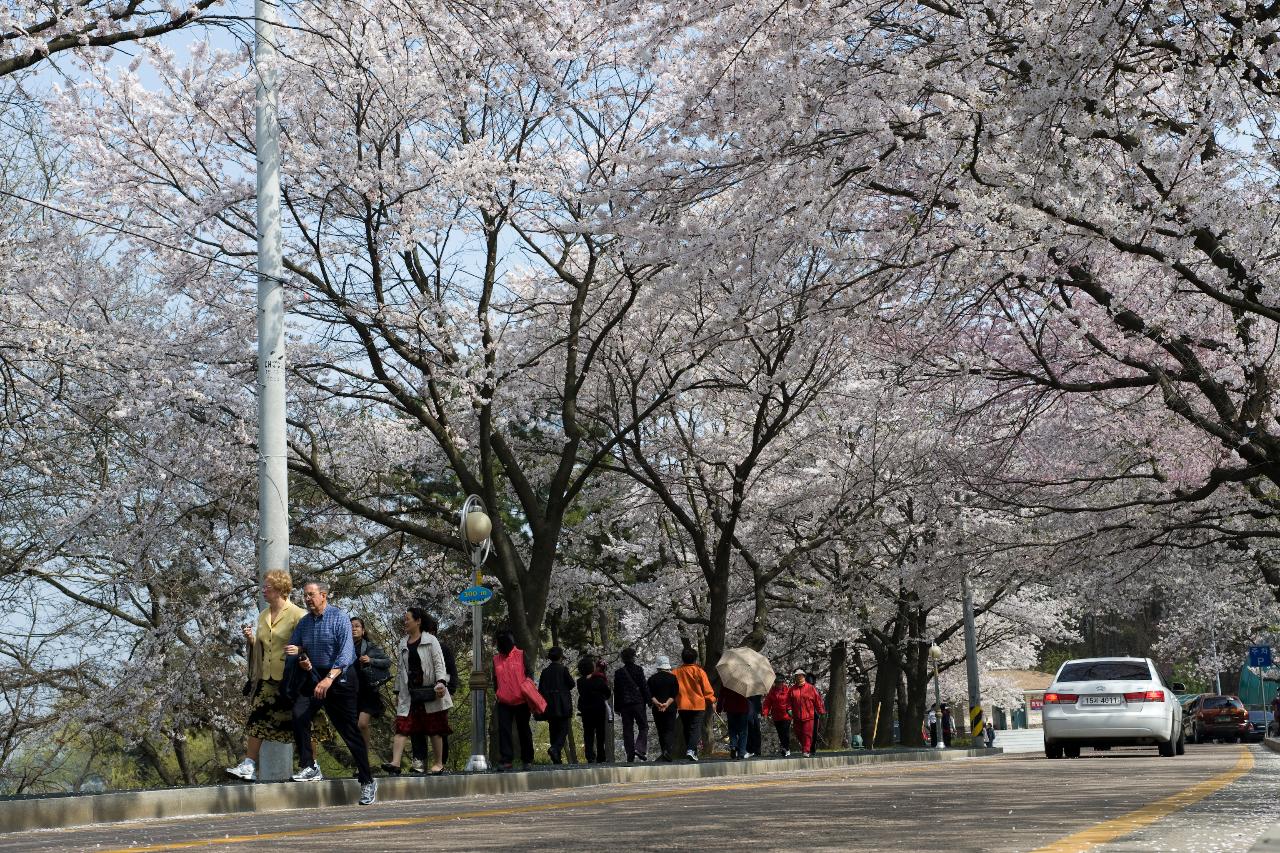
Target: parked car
<point x="1258" y="722"/>
<point x="1216" y="716"/>
<point x="1104" y="702"/>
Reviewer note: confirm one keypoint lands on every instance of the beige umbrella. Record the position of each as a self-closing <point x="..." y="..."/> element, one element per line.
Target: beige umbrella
<point x="745" y="671"/>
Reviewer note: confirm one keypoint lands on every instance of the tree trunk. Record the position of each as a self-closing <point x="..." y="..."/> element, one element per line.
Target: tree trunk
<point x="838" y="696"/>
<point x="885" y="694"/>
<point x="913" y="712"/>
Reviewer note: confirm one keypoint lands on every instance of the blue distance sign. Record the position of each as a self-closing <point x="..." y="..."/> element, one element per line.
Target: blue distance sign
<point x="475" y="595"/>
<point x="1260" y="656"/>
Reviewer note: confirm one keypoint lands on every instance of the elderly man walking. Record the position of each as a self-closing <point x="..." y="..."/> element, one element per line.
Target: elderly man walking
<point x="323" y="650"/>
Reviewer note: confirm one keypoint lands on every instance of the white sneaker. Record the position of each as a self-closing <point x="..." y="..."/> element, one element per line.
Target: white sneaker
<point x="416" y="765"/>
<point x="369" y="793"/>
<point x="246" y="770"/>
<point x="786" y="753"/>
<point x="747" y="755"/>
<point x="309" y="774"/>
<point x="806" y="755"/>
<point x="690" y="756"/>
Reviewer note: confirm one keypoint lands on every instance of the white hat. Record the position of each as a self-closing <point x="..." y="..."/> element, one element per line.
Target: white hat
<point x="663" y="662"/>
<point x="797" y="672"/>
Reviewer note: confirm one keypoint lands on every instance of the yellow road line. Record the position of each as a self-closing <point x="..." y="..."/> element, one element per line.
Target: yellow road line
<point x="397" y="823"/>
<point x="1133" y="821"/>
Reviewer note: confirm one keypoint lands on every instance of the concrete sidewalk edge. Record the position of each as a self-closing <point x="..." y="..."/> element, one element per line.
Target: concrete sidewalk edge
<point x="87" y="809"/>
<point x="1270" y="840"/>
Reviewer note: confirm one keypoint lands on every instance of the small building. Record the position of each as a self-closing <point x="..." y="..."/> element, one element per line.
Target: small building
<point x="1028" y="684"/>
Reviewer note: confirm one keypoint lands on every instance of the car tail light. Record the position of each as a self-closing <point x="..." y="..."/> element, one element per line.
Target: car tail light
<point x="1060" y="698"/>
<point x="1145" y="696"/>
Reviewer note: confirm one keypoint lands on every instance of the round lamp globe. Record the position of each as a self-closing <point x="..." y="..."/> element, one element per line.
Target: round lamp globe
<point x="478" y="527"/>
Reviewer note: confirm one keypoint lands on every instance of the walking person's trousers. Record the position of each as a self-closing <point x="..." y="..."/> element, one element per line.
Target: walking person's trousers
<point x="559" y="731"/>
<point x="737" y="735"/>
<point x="804" y="734"/>
<point x="783" y="727"/>
<point x="753" y="726"/>
<point x="691" y="726"/>
<point x="339" y="705"/>
<point x="635" y="730"/>
<point x="593" y="728"/>
<point x="518" y="714"/>
<point x="665" y="723"/>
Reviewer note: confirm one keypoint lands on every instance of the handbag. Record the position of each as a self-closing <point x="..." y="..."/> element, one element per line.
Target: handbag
<point x="422" y="694"/>
<point x="532" y="696"/>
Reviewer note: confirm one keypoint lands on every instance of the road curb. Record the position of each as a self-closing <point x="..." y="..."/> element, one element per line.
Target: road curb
<point x="1270" y="840"/>
<point x="60" y="812"/>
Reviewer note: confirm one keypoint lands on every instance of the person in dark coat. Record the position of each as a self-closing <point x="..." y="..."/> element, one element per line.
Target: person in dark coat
<point x="753" y="724"/>
<point x="556" y="686"/>
<point x="631" y="697"/>
<point x="948" y="725"/>
<point x="373" y="669"/>
<point x="663" y="690"/>
<point x="736" y="707"/>
<point x="593" y="705"/>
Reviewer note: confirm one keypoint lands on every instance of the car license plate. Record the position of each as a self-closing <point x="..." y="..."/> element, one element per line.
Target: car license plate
<point x="1224" y="719"/>
<point x="1100" y="700"/>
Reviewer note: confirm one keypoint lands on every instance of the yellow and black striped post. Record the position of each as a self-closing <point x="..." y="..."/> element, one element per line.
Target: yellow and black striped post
<point x="975" y="727"/>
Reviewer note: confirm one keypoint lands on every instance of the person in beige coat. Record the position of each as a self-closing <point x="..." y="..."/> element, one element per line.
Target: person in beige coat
<point x="422" y="671"/>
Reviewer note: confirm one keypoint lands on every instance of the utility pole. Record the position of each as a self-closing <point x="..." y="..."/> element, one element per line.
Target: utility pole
<point x="276" y="759"/>
<point x="273" y="473"/>
<point x="976" y="732"/>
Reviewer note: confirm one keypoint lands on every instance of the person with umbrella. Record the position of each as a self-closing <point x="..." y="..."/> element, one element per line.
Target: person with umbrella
<point x="806" y="705"/>
<point x="744" y="673"/>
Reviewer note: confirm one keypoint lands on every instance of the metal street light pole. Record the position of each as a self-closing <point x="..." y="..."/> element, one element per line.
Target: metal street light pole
<point x="273" y="473"/>
<point x="935" y="655"/>
<point x="275" y="761"/>
<point x="474" y="528"/>
<point x="976" y="722"/>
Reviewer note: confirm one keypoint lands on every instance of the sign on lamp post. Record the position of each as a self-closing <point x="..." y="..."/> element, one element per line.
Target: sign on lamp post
<point x="475" y="529"/>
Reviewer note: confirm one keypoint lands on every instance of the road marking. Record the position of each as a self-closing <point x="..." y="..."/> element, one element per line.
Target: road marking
<point x="1121" y="826"/>
<point x="398" y="823"/>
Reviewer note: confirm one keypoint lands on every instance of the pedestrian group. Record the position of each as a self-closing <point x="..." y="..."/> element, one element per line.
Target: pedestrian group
<point x="302" y="662"/>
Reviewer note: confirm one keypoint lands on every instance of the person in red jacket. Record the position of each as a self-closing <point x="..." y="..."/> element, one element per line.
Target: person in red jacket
<point x="777" y="707"/>
<point x="806" y="705"/>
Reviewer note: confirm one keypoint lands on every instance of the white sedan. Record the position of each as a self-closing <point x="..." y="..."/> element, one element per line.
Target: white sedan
<point x="1105" y="702"/>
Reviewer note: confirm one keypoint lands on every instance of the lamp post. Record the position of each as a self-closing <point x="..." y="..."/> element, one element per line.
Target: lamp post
<point x="474" y="528"/>
<point x="935" y="655"/>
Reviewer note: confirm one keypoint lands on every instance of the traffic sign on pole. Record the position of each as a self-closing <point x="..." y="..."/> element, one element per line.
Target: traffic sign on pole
<point x="1260" y="656"/>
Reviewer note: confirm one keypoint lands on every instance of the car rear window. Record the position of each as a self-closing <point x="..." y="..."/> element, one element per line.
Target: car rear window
<point x="1221" y="702"/>
<point x="1105" y="670"/>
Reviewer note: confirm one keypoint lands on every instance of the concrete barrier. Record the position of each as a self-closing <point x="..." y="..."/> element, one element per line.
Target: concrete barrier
<point x="60" y="811"/>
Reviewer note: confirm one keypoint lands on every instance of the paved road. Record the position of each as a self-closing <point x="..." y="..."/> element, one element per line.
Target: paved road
<point x="1215" y="798"/>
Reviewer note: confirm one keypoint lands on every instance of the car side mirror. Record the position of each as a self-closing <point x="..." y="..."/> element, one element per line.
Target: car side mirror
<point x="1178" y="687"/>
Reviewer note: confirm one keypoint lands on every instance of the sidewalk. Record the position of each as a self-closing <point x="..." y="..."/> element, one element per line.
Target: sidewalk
<point x="61" y="811"/>
<point x="1270" y="840"/>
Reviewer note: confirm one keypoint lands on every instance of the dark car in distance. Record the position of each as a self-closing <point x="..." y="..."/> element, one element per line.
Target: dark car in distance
<point x="1214" y="716"/>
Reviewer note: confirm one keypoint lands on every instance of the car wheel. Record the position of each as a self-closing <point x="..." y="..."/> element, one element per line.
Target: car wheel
<point x="1168" y="749"/>
<point x="1052" y="750"/>
<point x="1071" y="751"/>
<point x="1180" y="748"/>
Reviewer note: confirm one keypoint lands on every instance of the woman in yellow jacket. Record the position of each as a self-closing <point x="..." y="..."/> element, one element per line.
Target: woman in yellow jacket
<point x="694" y="698"/>
<point x="270" y="712"/>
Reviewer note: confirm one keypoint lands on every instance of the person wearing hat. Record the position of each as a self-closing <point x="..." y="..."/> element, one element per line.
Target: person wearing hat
<point x="806" y="705"/>
<point x="664" y="689"/>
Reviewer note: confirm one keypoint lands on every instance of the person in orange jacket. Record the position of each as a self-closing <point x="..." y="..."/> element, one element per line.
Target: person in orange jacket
<point x="777" y="707"/>
<point x="806" y="705"/>
<point x="694" y="698"/>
